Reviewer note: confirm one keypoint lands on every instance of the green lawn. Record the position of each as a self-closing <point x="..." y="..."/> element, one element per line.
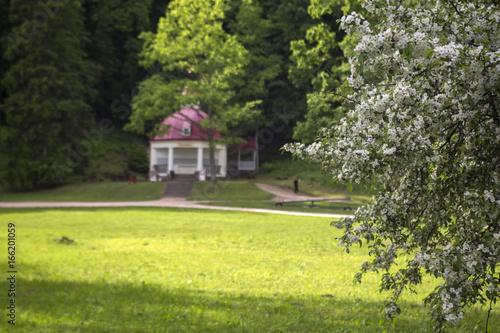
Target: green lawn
<point x="174" y="270"/>
<point x="313" y="188"/>
<point x="310" y="173"/>
<point x="91" y="192"/>
<point x="321" y="207"/>
<point x="228" y="191"/>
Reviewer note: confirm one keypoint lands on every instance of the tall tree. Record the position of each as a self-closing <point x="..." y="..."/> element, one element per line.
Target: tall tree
<point x="320" y="67"/>
<point x="48" y="88"/>
<point x="114" y="27"/>
<point x="285" y="104"/>
<point x="4" y="31"/>
<point x="429" y="130"/>
<point x="198" y="57"/>
<point x="264" y="65"/>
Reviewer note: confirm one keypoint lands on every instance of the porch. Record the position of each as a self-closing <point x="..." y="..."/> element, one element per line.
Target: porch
<point x="186" y="158"/>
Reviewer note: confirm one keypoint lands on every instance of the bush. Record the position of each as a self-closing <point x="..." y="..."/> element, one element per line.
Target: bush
<point x="137" y="159"/>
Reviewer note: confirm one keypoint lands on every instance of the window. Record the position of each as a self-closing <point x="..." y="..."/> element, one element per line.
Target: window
<point x="186" y="129"/>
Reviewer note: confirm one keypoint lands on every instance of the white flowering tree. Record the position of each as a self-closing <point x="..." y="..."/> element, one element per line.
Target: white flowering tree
<point x="426" y="131"/>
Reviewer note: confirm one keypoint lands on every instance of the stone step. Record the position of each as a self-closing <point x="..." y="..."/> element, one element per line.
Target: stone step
<point x="180" y="186"/>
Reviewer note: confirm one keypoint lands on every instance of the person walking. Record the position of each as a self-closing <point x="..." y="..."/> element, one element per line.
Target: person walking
<point x="296" y="185"/>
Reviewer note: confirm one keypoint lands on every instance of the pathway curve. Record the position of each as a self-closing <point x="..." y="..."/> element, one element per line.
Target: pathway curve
<point x="170" y="202"/>
<point x="279" y="192"/>
<point x="282" y="193"/>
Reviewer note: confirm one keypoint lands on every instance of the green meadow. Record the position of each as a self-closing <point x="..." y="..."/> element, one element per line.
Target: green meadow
<point x="228" y="190"/>
<point x="175" y="270"/>
<point x="89" y="192"/>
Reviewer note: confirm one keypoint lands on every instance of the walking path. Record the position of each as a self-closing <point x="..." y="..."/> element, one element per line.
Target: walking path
<point x="174" y="202"/>
<point x="281" y="193"/>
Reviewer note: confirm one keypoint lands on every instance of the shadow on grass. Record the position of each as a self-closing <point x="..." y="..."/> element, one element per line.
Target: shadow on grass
<point x="69" y="306"/>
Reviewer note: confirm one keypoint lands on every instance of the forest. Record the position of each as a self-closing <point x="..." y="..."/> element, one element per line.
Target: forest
<point x="70" y="71"/>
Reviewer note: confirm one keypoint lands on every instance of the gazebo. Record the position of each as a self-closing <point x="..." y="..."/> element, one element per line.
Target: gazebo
<point x="184" y="148"/>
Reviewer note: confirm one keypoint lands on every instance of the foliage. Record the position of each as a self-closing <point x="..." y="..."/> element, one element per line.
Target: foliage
<point x="320" y="67"/>
<point x="177" y="270"/>
<point x="114" y="27"/>
<point x="285" y="104"/>
<point x="426" y="123"/>
<point x="137" y="159"/>
<point x="48" y="88"/>
<point x="4" y="30"/>
<point x="253" y="31"/>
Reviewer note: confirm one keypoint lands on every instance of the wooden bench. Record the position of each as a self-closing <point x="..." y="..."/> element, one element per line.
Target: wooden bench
<point x="311" y="205"/>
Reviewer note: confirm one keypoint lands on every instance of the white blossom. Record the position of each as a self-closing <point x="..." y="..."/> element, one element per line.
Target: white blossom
<point x="427" y="125"/>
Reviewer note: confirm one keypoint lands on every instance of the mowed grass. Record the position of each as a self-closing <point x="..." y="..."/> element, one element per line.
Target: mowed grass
<point x="90" y="192"/>
<point x="228" y="191"/>
<point x="173" y="270"/>
<point x="315" y="189"/>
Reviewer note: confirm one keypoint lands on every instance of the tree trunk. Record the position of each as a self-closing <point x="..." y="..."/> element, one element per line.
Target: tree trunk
<point x="257" y="150"/>
<point x="211" y="149"/>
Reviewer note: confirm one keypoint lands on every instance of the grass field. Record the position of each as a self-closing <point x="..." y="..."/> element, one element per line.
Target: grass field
<point x="91" y="192"/>
<point x="228" y="191"/>
<point x="314" y="189"/>
<point x="309" y="173"/>
<point x="173" y="270"/>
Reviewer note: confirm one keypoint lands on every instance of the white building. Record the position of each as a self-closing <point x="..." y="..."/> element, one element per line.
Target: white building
<point x="184" y="148"/>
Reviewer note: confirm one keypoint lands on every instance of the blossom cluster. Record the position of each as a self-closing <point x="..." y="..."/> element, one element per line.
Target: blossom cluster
<point x="425" y="132"/>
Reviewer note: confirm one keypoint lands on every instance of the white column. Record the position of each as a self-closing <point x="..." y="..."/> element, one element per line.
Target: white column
<point x="152" y="157"/>
<point x="170" y="159"/>
<point x="223" y="160"/>
<point x="200" y="158"/>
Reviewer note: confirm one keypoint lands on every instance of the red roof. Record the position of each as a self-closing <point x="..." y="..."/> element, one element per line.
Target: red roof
<point x="248" y="144"/>
<point x="185" y="118"/>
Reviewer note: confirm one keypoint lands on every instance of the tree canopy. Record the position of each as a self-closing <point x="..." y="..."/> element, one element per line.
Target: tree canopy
<point x="113" y="27"/>
<point x="48" y="87"/>
<point x="425" y="130"/>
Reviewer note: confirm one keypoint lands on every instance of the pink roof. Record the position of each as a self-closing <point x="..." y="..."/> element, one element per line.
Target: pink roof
<point x="186" y="117"/>
<point x="248" y="144"/>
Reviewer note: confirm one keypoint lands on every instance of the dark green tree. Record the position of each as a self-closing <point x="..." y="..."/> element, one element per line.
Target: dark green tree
<point x="4" y="31"/>
<point x="320" y="67"/>
<point x="264" y="65"/>
<point x="48" y="87"/>
<point x="114" y="27"/>
<point x="137" y="159"/>
<point x="285" y="104"/>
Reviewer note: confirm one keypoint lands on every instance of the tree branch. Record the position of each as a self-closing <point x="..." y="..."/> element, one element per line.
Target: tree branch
<point x="455" y="7"/>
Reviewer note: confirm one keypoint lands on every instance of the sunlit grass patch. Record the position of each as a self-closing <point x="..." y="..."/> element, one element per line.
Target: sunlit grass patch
<point x="174" y="270"/>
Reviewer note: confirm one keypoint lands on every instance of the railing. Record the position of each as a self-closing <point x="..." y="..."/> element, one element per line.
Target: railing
<point x="242" y="165"/>
<point x="186" y="169"/>
<point x="217" y="168"/>
<point x="161" y="168"/>
<point x="189" y="169"/>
